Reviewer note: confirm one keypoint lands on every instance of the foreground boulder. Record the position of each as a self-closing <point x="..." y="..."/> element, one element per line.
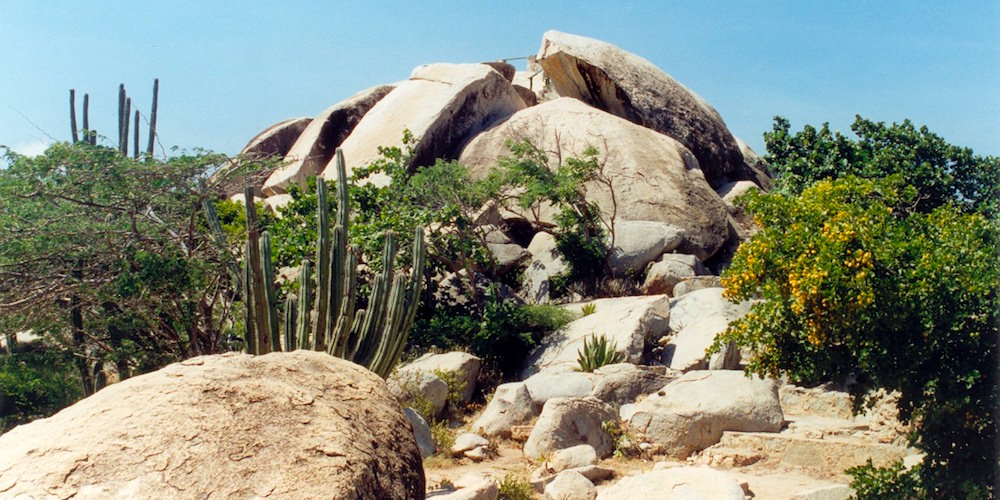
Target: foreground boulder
<point x="691" y="413"/>
<point x="654" y="177"/>
<point x="627" y="321"/>
<point x="631" y="87"/>
<point x="318" y="142"/>
<point x="293" y="425"/>
<point x="443" y="105"/>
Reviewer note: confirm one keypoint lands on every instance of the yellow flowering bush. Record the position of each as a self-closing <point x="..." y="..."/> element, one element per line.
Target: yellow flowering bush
<point x="856" y="284"/>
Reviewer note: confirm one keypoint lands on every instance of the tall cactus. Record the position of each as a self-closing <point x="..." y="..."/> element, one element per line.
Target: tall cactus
<point x="373" y="338"/>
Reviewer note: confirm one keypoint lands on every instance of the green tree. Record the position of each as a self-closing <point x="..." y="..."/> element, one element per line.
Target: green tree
<point x="105" y="256"/>
<point x="859" y="283"/>
<point x="941" y="172"/>
<point x="583" y="234"/>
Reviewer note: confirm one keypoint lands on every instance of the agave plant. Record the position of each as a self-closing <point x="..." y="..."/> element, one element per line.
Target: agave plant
<point x="597" y="352"/>
<point x="588" y="309"/>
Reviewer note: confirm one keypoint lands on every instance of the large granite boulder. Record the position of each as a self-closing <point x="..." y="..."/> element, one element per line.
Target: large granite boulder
<point x="627" y="321"/>
<point x="654" y="177"/>
<point x="567" y="422"/>
<point x="295" y="425"/>
<point x="275" y="141"/>
<point x="691" y="413"/>
<point x="631" y="87"/>
<point x="318" y="142"/>
<point x="700" y="304"/>
<point x="686" y="349"/>
<point x="443" y="105"/>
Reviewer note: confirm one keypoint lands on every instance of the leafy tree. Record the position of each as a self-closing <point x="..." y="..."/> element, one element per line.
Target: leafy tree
<point x="940" y="172"/>
<point x="105" y="256"/>
<point x="583" y="235"/>
<point x="859" y="282"/>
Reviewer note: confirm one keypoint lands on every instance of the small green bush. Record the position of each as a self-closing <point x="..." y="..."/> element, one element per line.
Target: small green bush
<point x="514" y="487"/>
<point x="588" y="309"/>
<point x="884" y="483"/>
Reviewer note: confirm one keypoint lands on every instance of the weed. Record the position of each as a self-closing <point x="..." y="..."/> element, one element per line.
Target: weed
<point x="514" y="487"/>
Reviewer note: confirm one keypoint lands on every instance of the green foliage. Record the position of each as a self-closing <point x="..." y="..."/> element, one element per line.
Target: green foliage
<point x="588" y="309"/>
<point x="443" y="436"/>
<point x="580" y="236"/>
<point x="501" y="332"/>
<point x="35" y="382"/>
<point x="103" y="253"/>
<point x="597" y="352"/>
<point x="885" y="483"/>
<point x="939" y="171"/>
<point x="456" y="386"/>
<point x="859" y="283"/>
<point x="626" y="444"/>
<point x="515" y="487"/>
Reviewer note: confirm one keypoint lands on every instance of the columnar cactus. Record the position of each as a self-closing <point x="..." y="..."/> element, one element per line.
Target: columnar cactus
<point x="373" y="338"/>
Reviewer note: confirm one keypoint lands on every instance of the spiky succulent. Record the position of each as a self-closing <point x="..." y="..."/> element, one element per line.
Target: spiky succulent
<point x="597" y="352"/>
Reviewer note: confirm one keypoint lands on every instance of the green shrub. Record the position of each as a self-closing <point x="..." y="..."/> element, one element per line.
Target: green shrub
<point x="884" y="483"/>
<point x="858" y="285"/>
<point x="514" y="487"/>
<point x="502" y="331"/>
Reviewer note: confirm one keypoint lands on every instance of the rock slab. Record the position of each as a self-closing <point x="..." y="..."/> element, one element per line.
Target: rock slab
<point x="691" y="413"/>
<point x="289" y="425"/>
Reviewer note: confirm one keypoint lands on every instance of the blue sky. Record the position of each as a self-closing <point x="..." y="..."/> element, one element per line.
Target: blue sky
<point x="229" y="69"/>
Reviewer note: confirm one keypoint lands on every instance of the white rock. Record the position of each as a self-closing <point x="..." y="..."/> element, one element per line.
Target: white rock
<point x="555" y="383"/>
<point x="686" y="350"/>
<point x="654" y="177"/>
<point x="443" y="105"/>
<point x="701" y="304"/>
<point x="631" y="87"/>
<point x="511" y="405"/>
<point x="421" y="388"/>
<point x="688" y="285"/>
<point x="422" y="432"/>
<point x="676" y="483"/>
<point x="622" y="383"/>
<point x="732" y="190"/>
<point x="664" y="274"/>
<point x="637" y="243"/>
<point x="626" y="321"/>
<point x="567" y="422"/>
<point x="314" y="147"/>
<point x="691" y="413"/>
<point x="463" y="365"/>
<point x="467" y="441"/>
<point x="570" y="485"/>
<point x="831" y="492"/>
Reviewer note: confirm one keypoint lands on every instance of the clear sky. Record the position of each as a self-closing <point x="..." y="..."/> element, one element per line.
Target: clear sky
<point x="229" y="69"/>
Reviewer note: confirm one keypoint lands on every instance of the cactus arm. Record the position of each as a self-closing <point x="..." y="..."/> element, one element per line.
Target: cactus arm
<point x="262" y="324"/>
<point x="305" y="305"/>
<point x="249" y="333"/>
<point x="152" y="117"/>
<point x="72" y="115"/>
<point x="322" y="267"/>
<point x="267" y="269"/>
<point x="342" y="329"/>
<point x="291" y="314"/>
